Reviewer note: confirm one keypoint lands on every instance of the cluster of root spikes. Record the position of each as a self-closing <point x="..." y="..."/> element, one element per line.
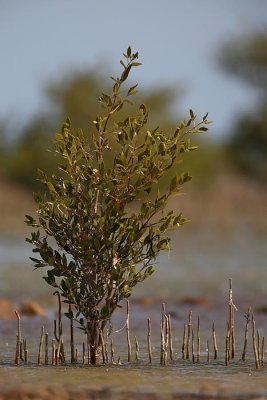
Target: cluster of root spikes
<point x="53" y="352"/>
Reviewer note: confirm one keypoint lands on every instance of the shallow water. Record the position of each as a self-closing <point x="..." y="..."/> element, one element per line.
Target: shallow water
<point x="170" y="380"/>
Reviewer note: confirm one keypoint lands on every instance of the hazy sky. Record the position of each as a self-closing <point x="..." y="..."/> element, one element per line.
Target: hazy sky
<point x="177" y="41"/>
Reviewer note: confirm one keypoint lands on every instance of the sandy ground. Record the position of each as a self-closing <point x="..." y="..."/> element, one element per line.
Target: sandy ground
<point x="66" y="393"/>
<point x="110" y="383"/>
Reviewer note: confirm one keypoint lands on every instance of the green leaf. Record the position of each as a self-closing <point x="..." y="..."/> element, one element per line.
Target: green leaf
<point x="105" y="312"/>
<point x="96" y="244"/>
<point x="205" y="117"/>
<point x="29" y="220"/>
<point x="185" y="177"/>
<point x="132" y="90"/>
<point x="35" y="260"/>
<point x="68" y="314"/>
<point x="37" y="197"/>
<point x="58" y="136"/>
<point x="68" y="123"/>
<point x="129" y="51"/>
<point x="51" y="187"/>
<point x="192" y="148"/>
<point x="142" y="108"/>
<point x="65" y="285"/>
<point x="125" y="73"/>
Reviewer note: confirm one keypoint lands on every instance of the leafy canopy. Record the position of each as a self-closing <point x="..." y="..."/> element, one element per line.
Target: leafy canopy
<point x="108" y="219"/>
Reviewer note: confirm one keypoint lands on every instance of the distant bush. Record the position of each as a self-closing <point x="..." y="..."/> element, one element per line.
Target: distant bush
<point x="247" y="147"/>
<point x="246" y="59"/>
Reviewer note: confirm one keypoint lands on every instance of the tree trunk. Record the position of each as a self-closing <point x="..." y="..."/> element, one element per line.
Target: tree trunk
<point x="94" y="342"/>
<point x="95" y="354"/>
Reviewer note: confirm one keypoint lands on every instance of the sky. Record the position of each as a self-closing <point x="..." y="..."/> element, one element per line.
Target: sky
<point x="178" y="40"/>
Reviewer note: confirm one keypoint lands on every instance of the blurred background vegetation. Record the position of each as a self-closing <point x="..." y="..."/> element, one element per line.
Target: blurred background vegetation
<point x="229" y="167"/>
<point x="246" y="59"/>
<point x="75" y="95"/>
